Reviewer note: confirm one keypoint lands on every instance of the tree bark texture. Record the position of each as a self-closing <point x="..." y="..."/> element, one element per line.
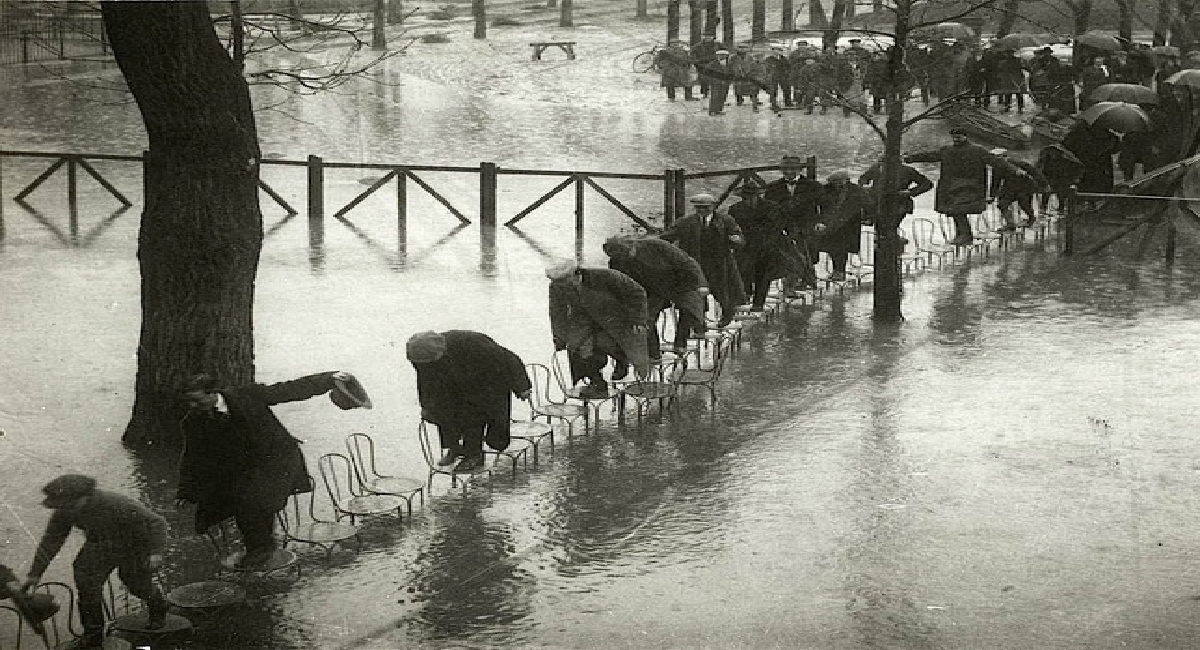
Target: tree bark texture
<point x="727" y="22"/>
<point x="695" y="22"/>
<point x="237" y="34"/>
<point x="816" y="15"/>
<point x="566" y="16"/>
<point x="758" y="21"/>
<point x="1124" y="20"/>
<point x="712" y="17"/>
<point x="1008" y="17"/>
<point x="201" y="228"/>
<point x="479" y="11"/>
<point x="787" y="16"/>
<point x="830" y="37"/>
<point x="888" y="247"/>
<point x="672" y="21"/>
<point x="379" y="26"/>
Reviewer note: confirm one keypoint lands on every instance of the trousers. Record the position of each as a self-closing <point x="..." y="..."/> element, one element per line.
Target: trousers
<point x="93" y="565"/>
<point x="464" y="439"/>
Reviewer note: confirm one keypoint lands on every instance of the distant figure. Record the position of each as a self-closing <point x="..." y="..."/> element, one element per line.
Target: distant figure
<point x="676" y="67"/>
<point x="844" y="208"/>
<point x="1019" y="189"/>
<point x="239" y="461"/>
<point x="721" y="73"/>
<point x="748" y="76"/>
<point x="465" y="383"/>
<point x="670" y="277"/>
<point x="122" y="534"/>
<point x="1062" y="170"/>
<point x="704" y="55"/>
<point x="963" y="184"/>
<point x="1094" y="147"/>
<point x="712" y="238"/>
<point x="596" y="314"/>
<point x="1092" y="77"/>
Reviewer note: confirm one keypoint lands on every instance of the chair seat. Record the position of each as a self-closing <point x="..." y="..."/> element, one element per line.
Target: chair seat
<point x="650" y="390"/>
<point x="697" y="376"/>
<point x="280" y="559"/>
<point x="577" y="393"/>
<point x="371" y="504"/>
<point x="322" y="532"/>
<point x="136" y="623"/>
<point x="394" y="485"/>
<point x="526" y="429"/>
<point x="515" y="447"/>
<point x="561" y="410"/>
<point x="207" y="595"/>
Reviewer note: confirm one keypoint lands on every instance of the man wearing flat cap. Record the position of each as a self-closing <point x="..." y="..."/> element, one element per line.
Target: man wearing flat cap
<point x="962" y="186"/>
<point x="239" y="461"/>
<point x="769" y="252"/>
<point x="122" y="534"/>
<point x="465" y="383"/>
<point x="844" y="208"/>
<point x="670" y="277"/>
<point x="712" y="238"/>
<point x="596" y="314"/>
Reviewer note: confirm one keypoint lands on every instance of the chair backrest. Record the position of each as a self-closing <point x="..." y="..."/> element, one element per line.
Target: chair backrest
<point x="13" y="626"/>
<point x="118" y="601"/>
<point x="430" y="443"/>
<point x="560" y="367"/>
<point x="923" y="231"/>
<point x="337" y="473"/>
<point x="361" y="449"/>
<point x="541" y="377"/>
<point x="63" y="626"/>
<point x="299" y="505"/>
<point x="867" y="256"/>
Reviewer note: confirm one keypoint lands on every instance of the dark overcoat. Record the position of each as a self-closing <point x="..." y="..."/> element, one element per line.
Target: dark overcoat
<point x="963" y="184"/>
<point x="601" y="313"/>
<point x="250" y="460"/>
<point x="843" y="211"/>
<point x="798" y="211"/>
<point x="1009" y="187"/>
<point x="676" y="67"/>
<point x="712" y="247"/>
<point x="910" y="180"/>
<point x="1094" y="147"/>
<point x="472" y="385"/>
<point x="668" y="275"/>
<point x="766" y="241"/>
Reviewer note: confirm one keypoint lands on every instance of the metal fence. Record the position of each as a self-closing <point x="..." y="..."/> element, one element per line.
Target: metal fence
<point x="34" y="31"/>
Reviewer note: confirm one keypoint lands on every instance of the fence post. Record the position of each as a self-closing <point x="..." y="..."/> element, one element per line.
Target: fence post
<point x="680" y="193"/>
<point x="668" y="197"/>
<point x="1068" y="227"/>
<point x="402" y="215"/>
<point x="1171" y="238"/>
<point x="73" y="196"/>
<point x="488" y="173"/>
<point x="579" y="200"/>
<point x="812" y="167"/>
<point x="316" y="211"/>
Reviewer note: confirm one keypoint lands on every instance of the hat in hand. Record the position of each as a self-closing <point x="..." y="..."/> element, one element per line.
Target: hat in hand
<point x="349" y="394"/>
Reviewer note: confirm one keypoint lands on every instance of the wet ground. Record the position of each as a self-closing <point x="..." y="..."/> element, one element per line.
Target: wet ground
<point x="1012" y="467"/>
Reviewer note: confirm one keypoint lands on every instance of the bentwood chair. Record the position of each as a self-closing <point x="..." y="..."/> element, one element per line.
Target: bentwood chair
<point x="129" y="620"/>
<point x="427" y="434"/>
<point x="911" y="259"/>
<point x="710" y="375"/>
<point x="301" y="523"/>
<point x="10" y="619"/>
<point x="222" y="539"/>
<point x="361" y="449"/>
<point x="924" y="232"/>
<point x="348" y="498"/>
<point x="63" y="626"/>
<point x="543" y="404"/>
<point x="560" y="367"/>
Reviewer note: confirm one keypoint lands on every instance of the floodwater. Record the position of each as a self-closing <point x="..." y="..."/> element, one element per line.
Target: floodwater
<point x="1013" y="467"/>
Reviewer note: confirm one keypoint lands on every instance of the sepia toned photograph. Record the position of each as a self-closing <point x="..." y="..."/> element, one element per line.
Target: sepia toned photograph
<point x="599" y="324"/>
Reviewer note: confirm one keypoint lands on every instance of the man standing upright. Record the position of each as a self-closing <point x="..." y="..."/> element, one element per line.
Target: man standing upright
<point x="465" y="382"/>
<point x="122" y="534"/>
<point x="962" y="187"/>
<point x="711" y="238"/>
<point x="797" y="200"/>
<point x="238" y="459"/>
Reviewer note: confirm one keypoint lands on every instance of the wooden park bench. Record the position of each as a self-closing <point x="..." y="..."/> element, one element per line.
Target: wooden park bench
<point x="565" y="46"/>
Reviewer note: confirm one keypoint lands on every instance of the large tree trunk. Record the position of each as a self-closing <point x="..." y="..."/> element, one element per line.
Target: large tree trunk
<point x="787" y="16"/>
<point x="888" y="247"/>
<point x="758" y="22"/>
<point x="727" y="22"/>
<point x="1125" y="20"/>
<point x="672" y="21"/>
<point x="1008" y="17"/>
<point x="816" y="15"/>
<point x="237" y="34"/>
<point x="829" y="39"/>
<point x="201" y="228"/>
<point x="379" y="26"/>
<point x="1162" y="24"/>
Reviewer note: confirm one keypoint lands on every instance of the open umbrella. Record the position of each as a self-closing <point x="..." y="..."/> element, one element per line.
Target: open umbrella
<point x="945" y="30"/>
<point x="1132" y="93"/>
<point x="1121" y="117"/>
<point x="1189" y="78"/>
<point x="1018" y="41"/>
<point x="1165" y="50"/>
<point x="1099" y="40"/>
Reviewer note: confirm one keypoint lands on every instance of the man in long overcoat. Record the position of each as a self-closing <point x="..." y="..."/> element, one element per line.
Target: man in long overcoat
<point x="670" y="277"/>
<point x="712" y="238"/>
<point x="1095" y="147"/>
<point x="797" y="203"/>
<point x="962" y="186"/>
<point x="749" y="75"/>
<point x="769" y="253"/>
<point x="675" y="64"/>
<point x="238" y="459"/>
<point x="465" y="383"/>
<point x="596" y="314"/>
<point x="844" y="208"/>
<point x="1009" y="189"/>
<point x="910" y="183"/>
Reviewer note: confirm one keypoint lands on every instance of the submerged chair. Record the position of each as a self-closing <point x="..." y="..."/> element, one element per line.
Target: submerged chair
<point x="924" y="231"/>
<point x="300" y="522"/>
<point x="128" y="620"/>
<point x="221" y="538"/>
<point x="910" y="258"/>
<point x="560" y="367"/>
<point x="543" y="405"/>
<point x="708" y="377"/>
<point x="361" y="449"/>
<point x="61" y="627"/>
<point x="661" y="385"/>
<point x="430" y="448"/>
<point x="348" y="497"/>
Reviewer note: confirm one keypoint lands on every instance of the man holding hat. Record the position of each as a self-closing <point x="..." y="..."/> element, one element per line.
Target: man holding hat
<point x="711" y="238"/>
<point x="238" y="459"/>
<point x="596" y="314"/>
<point x="962" y="187"/>
<point x="122" y="534"/>
<point x="465" y="383"/>
<point x="670" y="277"/>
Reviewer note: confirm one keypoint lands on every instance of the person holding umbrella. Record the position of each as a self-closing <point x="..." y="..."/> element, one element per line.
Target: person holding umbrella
<point x="1092" y="77"/>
